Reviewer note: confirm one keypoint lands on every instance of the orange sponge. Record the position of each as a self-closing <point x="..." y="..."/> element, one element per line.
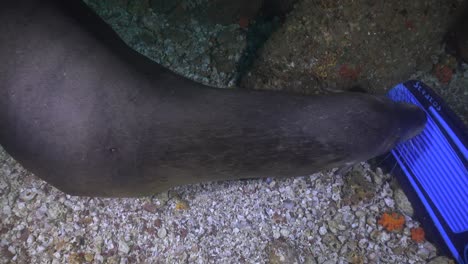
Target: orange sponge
<point x="417" y="234"/>
<point x="392" y="222"/>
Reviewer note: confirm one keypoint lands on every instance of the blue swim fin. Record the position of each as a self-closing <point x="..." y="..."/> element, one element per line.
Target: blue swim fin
<point x="433" y="169"/>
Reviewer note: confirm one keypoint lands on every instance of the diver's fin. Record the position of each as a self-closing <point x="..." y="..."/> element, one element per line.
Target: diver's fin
<point x="433" y="169"/>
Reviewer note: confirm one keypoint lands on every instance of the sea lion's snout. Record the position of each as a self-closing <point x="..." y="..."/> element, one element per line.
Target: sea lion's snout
<point x="411" y="121"/>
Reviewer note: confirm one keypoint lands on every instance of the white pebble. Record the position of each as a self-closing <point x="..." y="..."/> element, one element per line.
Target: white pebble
<point x="123" y="247"/>
<point x="12" y="250"/>
<point x="162" y="233"/>
<point x="389" y="202"/>
<point x="276" y="234"/>
<point x="323" y="230"/>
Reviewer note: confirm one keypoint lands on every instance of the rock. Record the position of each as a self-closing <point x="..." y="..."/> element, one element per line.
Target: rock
<point x="75" y="258"/>
<point x="423" y="253"/>
<point x="276" y="234"/>
<point x="441" y="260"/>
<point x="150" y="207"/>
<point x="457" y="37"/>
<point x="335" y="45"/>
<point x="183" y="35"/>
<point x="113" y="260"/>
<point x="323" y="230"/>
<point x="164" y="6"/>
<point x="137" y="7"/>
<point x="162" y="232"/>
<point x="230" y="12"/>
<point x="28" y="195"/>
<point x="162" y="197"/>
<point x="123" y="247"/>
<point x="89" y="257"/>
<point x="402" y="202"/>
<point x="281" y="252"/>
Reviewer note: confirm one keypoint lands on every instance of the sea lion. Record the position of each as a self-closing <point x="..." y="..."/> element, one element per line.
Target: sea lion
<point x="91" y="116"/>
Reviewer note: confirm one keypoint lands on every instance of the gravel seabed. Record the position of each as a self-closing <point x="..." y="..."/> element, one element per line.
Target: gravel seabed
<point x="310" y="219"/>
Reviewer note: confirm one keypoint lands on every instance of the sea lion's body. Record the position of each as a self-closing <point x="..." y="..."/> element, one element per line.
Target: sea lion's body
<point x="92" y="117"/>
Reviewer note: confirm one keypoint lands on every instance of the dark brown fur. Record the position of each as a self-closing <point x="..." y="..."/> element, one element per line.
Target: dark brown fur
<point x="86" y="113"/>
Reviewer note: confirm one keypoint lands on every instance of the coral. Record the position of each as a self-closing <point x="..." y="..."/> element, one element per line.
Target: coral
<point x="327" y="62"/>
<point x="444" y="73"/>
<point x="392" y="222"/>
<point x="181" y="205"/>
<point x="349" y="72"/>
<point x="417" y="234"/>
<point x="243" y="22"/>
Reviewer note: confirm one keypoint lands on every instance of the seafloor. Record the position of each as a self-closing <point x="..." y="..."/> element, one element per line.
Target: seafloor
<point x="312" y="47"/>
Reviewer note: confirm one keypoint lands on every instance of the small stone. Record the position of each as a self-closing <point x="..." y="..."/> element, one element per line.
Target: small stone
<point x="360" y="213"/>
<point x="21" y="205"/>
<point x="441" y="260"/>
<point x="332" y="226"/>
<point x="309" y="259"/>
<point x="163" y="197"/>
<point x="113" y="260"/>
<point x="182" y="205"/>
<point x="162" y="232"/>
<point x="402" y="202"/>
<point x="363" y="243"/>
<point x="123" y="247"/>
<point x="341" y="227"/>
<point x="7" y="210"/>
<point x="53" y="212"/>
<point x="374" y="208"/>
<point x="276" y="234"/>
<point x="288" y="204"/>
<point x="389" y="202"/>
<point x="431" y="248"/>
<point x="323" y="230"/>
<point x="423" y="253"/>
<point x="280" y="252"/>
<point x="379" y="176"/>
<point x="40" y="249"/>
<point x="284" y="232"/>
<point x="75" y="258"/>
<point x="272" y="184"/>
<point x="158" y="223"/>
<point x="150" y="207"/>
<point x="12" y="250"/>
<point x="89" y="257"/>
<point x="27" y="195"/>
<point x="384" y="236"/>
<point x="98" y="258"/>
<point x="336" y="196"/>
<point x="399" y="250"/>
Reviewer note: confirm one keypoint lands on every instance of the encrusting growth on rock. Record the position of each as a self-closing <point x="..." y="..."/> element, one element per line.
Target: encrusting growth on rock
<point x="392" y="221"/>
<point x="418" y="234"/>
